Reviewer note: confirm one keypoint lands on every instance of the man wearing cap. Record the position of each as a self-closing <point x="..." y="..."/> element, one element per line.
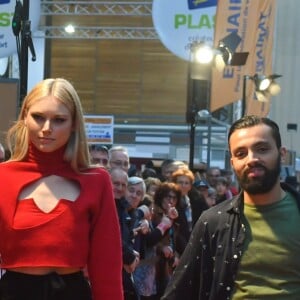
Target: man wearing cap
<point x="204" y="188"/>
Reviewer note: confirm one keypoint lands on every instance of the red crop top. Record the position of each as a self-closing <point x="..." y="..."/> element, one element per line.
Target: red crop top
<point x="74" y="234"/>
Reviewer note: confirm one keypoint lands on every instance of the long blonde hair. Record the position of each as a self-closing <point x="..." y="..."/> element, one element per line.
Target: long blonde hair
<point x="76" y="150"/>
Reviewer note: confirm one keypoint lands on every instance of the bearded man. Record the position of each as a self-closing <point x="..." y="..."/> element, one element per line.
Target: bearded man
<point x="246" y="247"/>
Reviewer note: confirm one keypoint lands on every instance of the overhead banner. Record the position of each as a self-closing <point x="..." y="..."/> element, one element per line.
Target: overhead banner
<point x="254" y="23"/>
<point x="179" y="23"/>
<point x="8" y="45"/>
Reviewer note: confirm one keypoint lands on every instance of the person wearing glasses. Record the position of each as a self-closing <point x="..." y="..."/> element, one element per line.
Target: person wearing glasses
<point x="99" y="155"/>
<point x="166" y="200"/>
<point x="57" y="212"/>
<point x="118" y="158"/>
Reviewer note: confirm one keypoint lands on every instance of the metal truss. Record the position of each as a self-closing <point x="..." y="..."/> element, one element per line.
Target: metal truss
<point x="117" y="8"/>
<point x="128" y="33"/>
<point x="101" y="8"/>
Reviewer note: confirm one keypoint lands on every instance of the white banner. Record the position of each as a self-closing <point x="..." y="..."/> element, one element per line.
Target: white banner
<point x="99" y="129"/>
<point x="179" y="23"/>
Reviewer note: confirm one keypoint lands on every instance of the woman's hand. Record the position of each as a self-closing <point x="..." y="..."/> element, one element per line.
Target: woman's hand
<point x="143" y="228"/>
<point x="172" y="213"/>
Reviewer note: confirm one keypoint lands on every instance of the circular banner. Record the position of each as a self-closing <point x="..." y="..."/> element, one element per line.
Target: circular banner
<point x="179" y="23"/>
<point x="8" y="44"/>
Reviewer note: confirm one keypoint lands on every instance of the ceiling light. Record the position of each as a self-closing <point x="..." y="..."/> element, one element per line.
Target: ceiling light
<point x="70" y="29"/>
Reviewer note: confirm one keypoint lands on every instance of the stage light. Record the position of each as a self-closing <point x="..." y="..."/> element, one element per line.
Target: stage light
<point x="220" y="57"/>
<point x="202" y="59"/>
<point x="70" y="29"/>
<point x="202" y="54"/>
<point x="265" y="86"/>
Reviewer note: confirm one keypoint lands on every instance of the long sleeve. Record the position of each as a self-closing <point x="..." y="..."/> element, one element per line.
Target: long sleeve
<point x="81" y="233"/>
<point x="105" y="261"/>
<point x="186" y="281"/>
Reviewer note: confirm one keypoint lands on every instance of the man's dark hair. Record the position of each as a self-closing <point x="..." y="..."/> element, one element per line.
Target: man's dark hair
<point x="97" y="147"/>
<point x="166" y="162"/>
<point x="250" y="121"/>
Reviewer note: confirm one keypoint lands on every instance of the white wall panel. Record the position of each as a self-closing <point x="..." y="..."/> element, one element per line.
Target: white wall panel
<point x="285" y="107"/>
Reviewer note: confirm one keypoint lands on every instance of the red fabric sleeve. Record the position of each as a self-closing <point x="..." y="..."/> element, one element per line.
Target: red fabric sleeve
<point x="105" y="260"/>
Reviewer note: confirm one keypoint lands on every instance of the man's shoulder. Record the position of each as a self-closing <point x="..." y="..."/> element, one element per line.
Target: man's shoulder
<point x="222" y="210"/>
<point x="294" y="193"/>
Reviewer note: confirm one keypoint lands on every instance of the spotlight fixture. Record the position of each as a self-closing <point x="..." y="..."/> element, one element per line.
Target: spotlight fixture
<point x="226" y="54"/>
<point x="265" y="86"/>
<point x="202" y="53"/>
<point x="202" y="59"/>
<point x="200" y="62"/>
<point x="223" y="55"/>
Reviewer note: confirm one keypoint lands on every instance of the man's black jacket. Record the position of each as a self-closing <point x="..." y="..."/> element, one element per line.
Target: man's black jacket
<point x="210" y="262"/>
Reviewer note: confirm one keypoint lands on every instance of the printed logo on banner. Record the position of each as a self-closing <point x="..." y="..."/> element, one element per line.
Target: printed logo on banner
<point x="173" y="18"/>
<point x="4" y="1"/>
<point x="195" y="4"/>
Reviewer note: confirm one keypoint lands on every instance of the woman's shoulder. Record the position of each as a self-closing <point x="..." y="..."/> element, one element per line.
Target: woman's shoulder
<point x="96" y="173"/>
<point x="94" y="177"/>
<point x="95" y="170"/>
<point x="11" y="165"/>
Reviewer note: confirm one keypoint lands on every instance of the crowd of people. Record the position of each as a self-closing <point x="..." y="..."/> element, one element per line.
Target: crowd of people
<point x="78" y="222"/>
<point x="157" y="209"/>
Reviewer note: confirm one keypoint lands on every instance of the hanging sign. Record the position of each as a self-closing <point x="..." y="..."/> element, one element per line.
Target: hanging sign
<point x="99" y="129"/>
<point x="254" y="23"/>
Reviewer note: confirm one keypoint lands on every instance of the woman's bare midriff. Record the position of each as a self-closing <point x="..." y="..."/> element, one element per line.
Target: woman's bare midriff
<point x="44" y="270"/>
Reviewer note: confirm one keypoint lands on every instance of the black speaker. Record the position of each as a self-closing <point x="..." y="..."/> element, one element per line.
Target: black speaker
<point x="197" y="97"/>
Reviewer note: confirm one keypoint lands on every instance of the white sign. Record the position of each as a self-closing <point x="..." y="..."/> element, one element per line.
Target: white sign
<point x="8" y="44"/>
<point x="179" y="23"/>
<point x="99" y="129"/>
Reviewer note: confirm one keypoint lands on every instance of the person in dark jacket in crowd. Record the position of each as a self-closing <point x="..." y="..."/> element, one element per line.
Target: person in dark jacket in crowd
<point x="247" y="247"/>
<point x="166" y="199"/>
<point x="131" y="258"/>
<point x="223" y="190"/>
<point x="145" y="275"/>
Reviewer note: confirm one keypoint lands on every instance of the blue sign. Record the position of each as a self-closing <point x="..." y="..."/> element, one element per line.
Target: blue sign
<point x="195" y="4"/>
<point x="4" y="1"/>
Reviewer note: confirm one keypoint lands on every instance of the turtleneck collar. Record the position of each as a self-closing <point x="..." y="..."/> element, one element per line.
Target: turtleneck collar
<point x="47" y="161"/>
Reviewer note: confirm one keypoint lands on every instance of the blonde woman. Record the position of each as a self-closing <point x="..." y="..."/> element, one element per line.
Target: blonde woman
<point x="57" y="213"/>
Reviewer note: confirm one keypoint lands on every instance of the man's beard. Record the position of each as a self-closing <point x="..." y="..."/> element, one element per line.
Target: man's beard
<point x="263" y="184"/>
